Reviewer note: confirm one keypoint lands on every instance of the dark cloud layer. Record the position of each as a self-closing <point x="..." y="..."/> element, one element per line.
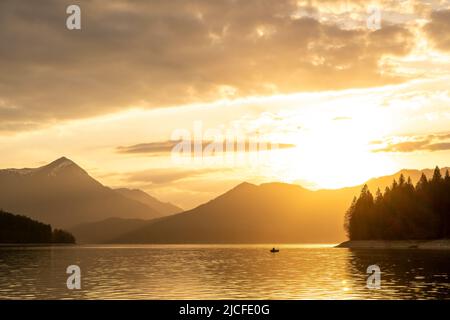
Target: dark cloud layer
<point x="438" y="29"/>
<point x="151" y="147"/>
<point x="166" y="176"/>
<point x="168" y="146"/>
<point x="430" y="142"/>
<point x="159" y="53"/>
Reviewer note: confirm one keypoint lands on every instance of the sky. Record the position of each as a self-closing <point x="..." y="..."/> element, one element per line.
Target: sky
<point x="338" y="91"/>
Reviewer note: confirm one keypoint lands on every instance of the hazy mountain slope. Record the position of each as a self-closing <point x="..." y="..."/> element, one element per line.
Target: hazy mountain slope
<point x="64" y="195"/>
<point x="163" y="208"/>
<point x="273" y="213"/>
<point x="248" y="213"/>
<point x="106" y="230"/>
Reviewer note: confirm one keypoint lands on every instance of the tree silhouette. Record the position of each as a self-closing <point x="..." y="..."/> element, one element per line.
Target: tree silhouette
<point x="403" y="211"/>
<point x="61" y="236"/>
<point x="21" y="229"/>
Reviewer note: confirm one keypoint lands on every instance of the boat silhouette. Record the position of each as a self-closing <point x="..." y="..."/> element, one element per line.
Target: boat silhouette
<point x="273" y="250"/>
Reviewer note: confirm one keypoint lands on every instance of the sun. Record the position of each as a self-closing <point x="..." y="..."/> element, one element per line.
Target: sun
<point x="334" y="153"/>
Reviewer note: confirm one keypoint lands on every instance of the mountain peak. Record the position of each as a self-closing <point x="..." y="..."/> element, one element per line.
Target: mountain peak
<point x="60" y="165"/>
<point x="245" y="184"/>
<point x="238" y="189"/>
<point x="163" y="208"/>
<point x="62" y="160"/>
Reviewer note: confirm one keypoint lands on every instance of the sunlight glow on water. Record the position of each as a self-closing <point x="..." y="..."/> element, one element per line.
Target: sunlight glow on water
<point x="222" y="272"/>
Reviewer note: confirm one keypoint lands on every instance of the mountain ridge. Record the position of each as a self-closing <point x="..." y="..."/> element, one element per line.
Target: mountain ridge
<point x="67" y="196"/>
<point x="63" y="194"/>
<point x="164" y="208"/>
<point x="323" y="209"/>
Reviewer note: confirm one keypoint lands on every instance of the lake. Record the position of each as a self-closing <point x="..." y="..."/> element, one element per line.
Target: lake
<point x="221" y="272"/>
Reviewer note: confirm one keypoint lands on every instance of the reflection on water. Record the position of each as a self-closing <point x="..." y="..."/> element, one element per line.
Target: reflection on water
<point x="222" y="272"/>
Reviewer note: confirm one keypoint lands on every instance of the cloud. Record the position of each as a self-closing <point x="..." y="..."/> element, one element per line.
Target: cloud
<point x="439" y="146"/>
<point x="438" y="29"/>
<point x="415" y="143"/>
<point x="409" y="146"/>
<point x="152" y="147"/>
<point x="165" y="53"/>
<point x="166" y="176"/>
<point x="168" y="146"/>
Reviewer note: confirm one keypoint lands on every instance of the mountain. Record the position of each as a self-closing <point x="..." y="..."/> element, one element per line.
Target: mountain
<point x="105" y="231"/>
<point x="268" y="213"/>
<point x="63" y="194"/>
<point x="163" y="208"/>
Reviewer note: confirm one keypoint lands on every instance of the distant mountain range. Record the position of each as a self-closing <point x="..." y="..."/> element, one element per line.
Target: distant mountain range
<point x="269" y="213"/>
<point x="163" y="208"/>
<point x="105" y="231"/>
<point x="64" y="195"/>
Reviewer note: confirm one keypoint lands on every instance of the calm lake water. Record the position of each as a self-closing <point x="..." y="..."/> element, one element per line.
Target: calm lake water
<point x="222" y="272"/>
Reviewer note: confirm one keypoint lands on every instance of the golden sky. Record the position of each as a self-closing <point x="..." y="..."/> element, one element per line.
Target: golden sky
<point x="344" y="100"/>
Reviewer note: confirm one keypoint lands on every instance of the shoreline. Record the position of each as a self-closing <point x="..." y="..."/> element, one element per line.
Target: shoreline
<point x="441" y="244"/>
<point x="37" y="244"/>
